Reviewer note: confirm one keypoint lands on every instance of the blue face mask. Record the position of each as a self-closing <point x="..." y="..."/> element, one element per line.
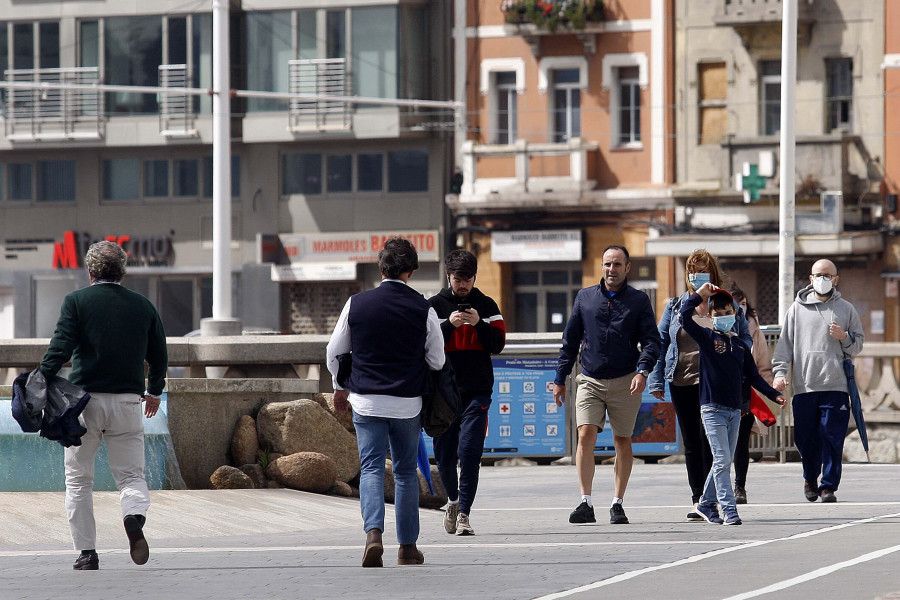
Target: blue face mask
<point x="698" y="279"/>
<point x="724" y="323"/>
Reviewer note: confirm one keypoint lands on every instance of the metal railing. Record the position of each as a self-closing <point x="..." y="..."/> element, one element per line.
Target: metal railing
<point x="176" y="109"/>
<point x="47" y="113"/>
<point x="326" y="76"/>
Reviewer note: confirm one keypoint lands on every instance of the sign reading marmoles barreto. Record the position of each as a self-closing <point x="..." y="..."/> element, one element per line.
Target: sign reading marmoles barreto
<point x="354" y="246"/>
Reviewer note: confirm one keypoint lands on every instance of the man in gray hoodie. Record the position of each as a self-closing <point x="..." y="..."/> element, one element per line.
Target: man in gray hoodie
<point x="820" y="330"/>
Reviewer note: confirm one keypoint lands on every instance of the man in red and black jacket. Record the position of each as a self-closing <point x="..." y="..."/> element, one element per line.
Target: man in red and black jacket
<point x="473" y="330"/>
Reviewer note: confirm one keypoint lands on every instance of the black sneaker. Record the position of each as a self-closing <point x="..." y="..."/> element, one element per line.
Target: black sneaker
<point x="810" y="490"/>
<point x="740" y="494"/>
<point x="87" y="561"/>
<point x="828" y="495"/>
<point x="584" y="513"/>
<point x="694" y="515"/>
<point x="134" y="526"/>
<point x="617" y="515"/>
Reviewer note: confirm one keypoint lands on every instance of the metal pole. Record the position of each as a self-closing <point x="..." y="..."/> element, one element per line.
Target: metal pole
<point x="787" y="235"/>
<point x="459" y="77"/>
<point x="221" y="105"/>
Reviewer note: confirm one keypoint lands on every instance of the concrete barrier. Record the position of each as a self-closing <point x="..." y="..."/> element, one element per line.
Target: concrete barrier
<point x="203" y="413"/>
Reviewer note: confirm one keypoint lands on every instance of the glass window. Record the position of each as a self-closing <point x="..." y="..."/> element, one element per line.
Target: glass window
<point x="340" y="172"/>
<point x="839" y="72"/>
<point x="1" y="182"/>
<point x="56" y="181"/>
<point x="525" y="277"/>
<point x="132" y="54"/>
<point x="122" y="179"/>
<point x="186" y="177"/>
<point x="771" y="96"/>
<point x="712" y="84"/>
<point x="507" y="112"/>
<point x="156" y="178"/>
<point x="566" y="104"/>
<point x="4" y="57"/>
<point x="201" y="55"/>
<point x="269" y="49"/>
<point x="49" y="45"/>
<point x="557" y="309"/>
<point x="408" y="171"/>
<point x="555" y="277"/>
<point x="629" y="106"/>
<point x="90" y="44"/>
<point x="301" y="174"/>
<point x="374" y="45"/>
<point x="369" y="169"/>
<point x="177" y="42"/>
<point x="307" y="38"/>
<point x="176" y="306"/>
<point x="336" y="34"/>
<point x="416" y="63"/>
<point x="23" y="46"/>
<point x="526" y="315"/>
<point x="19" y="175"/>
<point x="235" y="176"/>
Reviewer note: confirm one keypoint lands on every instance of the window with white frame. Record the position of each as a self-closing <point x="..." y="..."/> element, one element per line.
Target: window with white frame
<point x="770" y="96"/>
<point x="506" y="114"/>
<point x="839" y="102"/>
<point x="629" y="130"/>
<point x="566" y="104"/>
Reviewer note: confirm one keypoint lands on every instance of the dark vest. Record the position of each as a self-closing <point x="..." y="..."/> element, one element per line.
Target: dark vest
<point x="388" y="328"/>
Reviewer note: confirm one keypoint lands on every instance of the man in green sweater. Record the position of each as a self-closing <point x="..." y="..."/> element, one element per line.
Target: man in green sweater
<point x="108" y="332"/>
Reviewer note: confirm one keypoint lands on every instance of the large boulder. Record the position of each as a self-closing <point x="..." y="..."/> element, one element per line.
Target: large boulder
<point x="255" y="473"/>
<point x="307" y="471"/>
<point x="230" y="478"/>
<point x="304" y="426"/>
<point x="244" y="441"/>
<point x="426" y="498"/>
<point x="326" y="401"/>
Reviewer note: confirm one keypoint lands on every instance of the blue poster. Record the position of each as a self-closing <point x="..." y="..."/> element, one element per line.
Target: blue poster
<point x="655" y="430"/>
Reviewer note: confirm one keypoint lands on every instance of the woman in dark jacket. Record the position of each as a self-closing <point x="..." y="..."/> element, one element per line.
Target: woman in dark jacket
<point x="679" y="365"/>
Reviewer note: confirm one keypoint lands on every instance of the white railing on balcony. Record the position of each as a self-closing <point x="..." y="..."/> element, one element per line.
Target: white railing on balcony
<point x="328" y="77"/>
<point x="44" y="113"/>
<point x="176" y="109"/>
<point x="523" y="151"/>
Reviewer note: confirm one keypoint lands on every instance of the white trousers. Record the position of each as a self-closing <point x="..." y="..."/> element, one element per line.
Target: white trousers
<point x="115" y="418"/>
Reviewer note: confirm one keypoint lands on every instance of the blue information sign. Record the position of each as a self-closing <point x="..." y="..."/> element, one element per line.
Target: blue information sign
<point x="655" y="430"/>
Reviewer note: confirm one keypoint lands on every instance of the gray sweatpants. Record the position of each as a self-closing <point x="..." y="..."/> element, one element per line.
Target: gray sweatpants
<point x="115" y="418"/>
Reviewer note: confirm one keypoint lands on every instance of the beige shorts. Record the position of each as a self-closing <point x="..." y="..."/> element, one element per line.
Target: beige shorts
<point x="597" y="398"/>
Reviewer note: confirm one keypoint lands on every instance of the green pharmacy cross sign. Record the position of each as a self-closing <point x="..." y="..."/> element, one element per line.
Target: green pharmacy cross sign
<point x="751" y="182"/>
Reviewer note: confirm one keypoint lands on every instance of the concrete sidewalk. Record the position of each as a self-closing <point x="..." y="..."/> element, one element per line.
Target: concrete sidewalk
<point x="267" y="544"/>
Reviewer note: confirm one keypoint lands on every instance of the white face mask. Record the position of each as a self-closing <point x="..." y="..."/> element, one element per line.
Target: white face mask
<point x="822" y="286"/>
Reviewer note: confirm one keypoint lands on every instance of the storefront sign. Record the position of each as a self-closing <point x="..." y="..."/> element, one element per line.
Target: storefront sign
<point x="354" y="246"/>
<point x="69" y="253"/>
<point x="536" y="246"/>
<point x="315" y="272"/>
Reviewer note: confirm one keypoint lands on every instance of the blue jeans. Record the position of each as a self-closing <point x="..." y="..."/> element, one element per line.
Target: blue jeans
<point x="372" y="436"/>
<point x="722" y="425"/>
<point x="820" y="425"/>
<point x="463" y="442"/>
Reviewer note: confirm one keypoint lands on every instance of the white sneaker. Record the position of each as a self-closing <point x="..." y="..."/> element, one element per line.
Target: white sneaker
<point x="450" y="517"/>
<point x="462" y="525"/>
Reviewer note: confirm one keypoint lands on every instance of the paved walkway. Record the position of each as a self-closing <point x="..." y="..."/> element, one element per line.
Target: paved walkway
<point x="274" y="544"/>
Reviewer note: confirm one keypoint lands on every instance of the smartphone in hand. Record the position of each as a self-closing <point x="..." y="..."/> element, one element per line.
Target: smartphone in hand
<point x="463" y="307"/>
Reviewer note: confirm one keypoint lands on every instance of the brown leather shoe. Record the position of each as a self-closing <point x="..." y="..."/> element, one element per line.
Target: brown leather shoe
<point x="374" y="549"/>
<point x="408" y="554"/>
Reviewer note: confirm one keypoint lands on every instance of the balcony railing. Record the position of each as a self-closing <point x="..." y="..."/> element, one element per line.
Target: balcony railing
<point x="176" y="110"/>
<point x="45" y="113"/>
<point x="759" y="12"/>
<point x="327" y="77"/>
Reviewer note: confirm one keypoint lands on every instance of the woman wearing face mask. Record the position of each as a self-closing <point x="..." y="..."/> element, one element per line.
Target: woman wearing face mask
<point x="760" y="352"/>
<point x="679" y="366"/>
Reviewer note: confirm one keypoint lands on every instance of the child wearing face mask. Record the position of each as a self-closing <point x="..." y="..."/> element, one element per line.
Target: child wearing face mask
<point x="724" y="361"/>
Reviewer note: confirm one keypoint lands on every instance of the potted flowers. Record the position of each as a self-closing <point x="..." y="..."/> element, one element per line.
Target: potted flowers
<point x="551" y="14"/>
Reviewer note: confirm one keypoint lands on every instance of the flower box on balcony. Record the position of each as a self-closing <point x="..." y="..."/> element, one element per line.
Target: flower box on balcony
<point x="552" y="14"/>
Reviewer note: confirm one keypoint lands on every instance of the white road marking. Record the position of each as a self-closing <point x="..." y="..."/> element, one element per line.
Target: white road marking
<point x="781" y="585"/>
<point x="684" y="506"/>
<point x="692" y="559"/>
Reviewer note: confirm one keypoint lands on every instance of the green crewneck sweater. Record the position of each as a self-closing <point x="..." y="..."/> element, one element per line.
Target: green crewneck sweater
<point x="109" y="331"/>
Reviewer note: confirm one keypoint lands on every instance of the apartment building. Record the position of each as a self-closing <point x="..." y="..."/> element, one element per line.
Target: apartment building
<point x="728" y="109"/>
<point x="891" y="186"/>
<point x="316" y="184"/>
<point x="567" y="150"/>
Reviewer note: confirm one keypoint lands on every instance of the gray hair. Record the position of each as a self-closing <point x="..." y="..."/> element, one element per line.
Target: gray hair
<point x="105" y="261"/>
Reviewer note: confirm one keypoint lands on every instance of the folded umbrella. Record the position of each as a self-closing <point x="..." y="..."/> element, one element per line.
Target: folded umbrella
<point x="856" y="405"/>
<point x="424" y="463"/>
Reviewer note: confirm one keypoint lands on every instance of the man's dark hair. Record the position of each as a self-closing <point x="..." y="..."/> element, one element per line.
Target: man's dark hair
<point x="618" y="247"/>
<point x="398" y="256"/>
<point x="105" y="261"/>
<point x="720" y="300"/>
<point x="461" y="263"/>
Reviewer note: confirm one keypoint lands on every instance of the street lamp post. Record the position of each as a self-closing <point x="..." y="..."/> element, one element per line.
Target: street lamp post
<point x="787" y="235"/>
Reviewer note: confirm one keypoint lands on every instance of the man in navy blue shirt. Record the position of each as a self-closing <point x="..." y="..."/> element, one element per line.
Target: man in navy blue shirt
<point x="724" y="362"/>
<point x="607" y="324"/>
